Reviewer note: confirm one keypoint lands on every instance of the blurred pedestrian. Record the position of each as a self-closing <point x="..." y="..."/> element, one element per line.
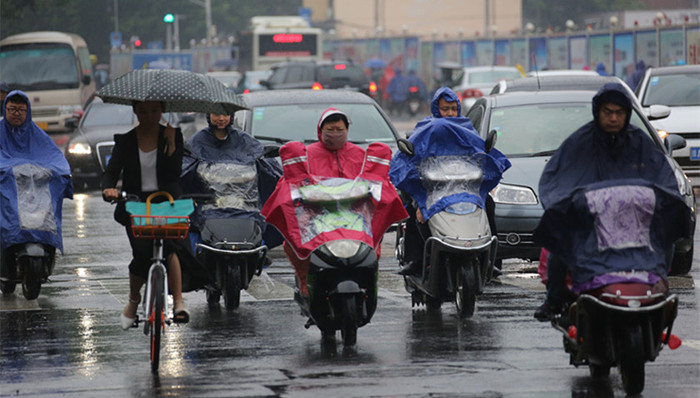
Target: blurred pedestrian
<point x="4" y="90"/>
<point x="637" y="75"/>
<point x="398" y="92"/>
<point x="600" y="68"/>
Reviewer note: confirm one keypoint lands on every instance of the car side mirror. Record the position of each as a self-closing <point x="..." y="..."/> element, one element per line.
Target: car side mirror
<point x="271" y="151"/>
<point x="673" y="142"/>
<point x="656" y="112"/>
<point x="490" y="141"/>
<point x="71" y="123"/>
<point x="86" y="79"/>
<point x="265" y="83"/>
<point x="405" y="146"/>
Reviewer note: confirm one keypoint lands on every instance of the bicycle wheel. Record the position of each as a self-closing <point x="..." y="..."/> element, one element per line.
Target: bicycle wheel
<point x="156" y="319"/>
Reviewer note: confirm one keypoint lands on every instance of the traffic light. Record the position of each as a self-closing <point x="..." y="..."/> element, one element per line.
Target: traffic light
<point x="137" y="43"/>
<point x="169" y="18"/>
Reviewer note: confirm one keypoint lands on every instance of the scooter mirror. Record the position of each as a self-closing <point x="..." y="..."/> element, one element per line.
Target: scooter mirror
<point x="490" y="141"/>
<point x="271" y="151"/>
<point x="405" y="146"/>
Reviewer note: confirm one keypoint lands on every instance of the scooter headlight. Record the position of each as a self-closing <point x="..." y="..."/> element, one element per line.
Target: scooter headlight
<point x="343" y="248"/>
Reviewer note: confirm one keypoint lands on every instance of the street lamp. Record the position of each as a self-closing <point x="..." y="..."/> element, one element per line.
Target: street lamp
<point x="570" y="25"/>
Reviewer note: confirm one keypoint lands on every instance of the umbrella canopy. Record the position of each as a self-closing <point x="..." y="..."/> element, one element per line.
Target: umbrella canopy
<point x="375" y="63"/>
<point x="180" y="90"/>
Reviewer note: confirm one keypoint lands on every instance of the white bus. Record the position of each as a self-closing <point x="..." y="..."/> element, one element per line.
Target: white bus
<point x="273" y="39"/>
<point x="53" y="69"/>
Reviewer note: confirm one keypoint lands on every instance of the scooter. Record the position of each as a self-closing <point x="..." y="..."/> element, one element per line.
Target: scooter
<point x="459" y="256"/>
<point x="28" y="257"/>
<point x="413" y="102"/>
<point x="229" y="230"/>
<point x="343" y="272"/>
<point x="621" y="318"/>
<point x="621" y="324"/>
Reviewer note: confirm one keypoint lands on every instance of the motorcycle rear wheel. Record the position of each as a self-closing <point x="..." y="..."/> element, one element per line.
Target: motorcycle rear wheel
<point x="33" y="269"/>
<point x="232" y="290"/>
<point x="599" y="371"/>
<point x="465" y="294"/>
<point x="7" y="287"/>
<point x="632" y="360"/>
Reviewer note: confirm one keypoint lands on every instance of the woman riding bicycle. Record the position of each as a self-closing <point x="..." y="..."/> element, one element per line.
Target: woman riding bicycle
<point x="148" y="159"/>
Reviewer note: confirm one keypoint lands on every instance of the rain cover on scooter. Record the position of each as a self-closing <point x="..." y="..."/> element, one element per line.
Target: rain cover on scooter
<point x="450" y="169"/>
<point x="311" y="210"/>
<point x="31" y="201"/>
<point x="615" y="225"/>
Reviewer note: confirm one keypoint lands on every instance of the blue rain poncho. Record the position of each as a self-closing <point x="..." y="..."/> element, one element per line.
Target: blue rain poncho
<point x="34" y="179"/>
<point x="591" y="156"/>
<point x="439" y="143"/>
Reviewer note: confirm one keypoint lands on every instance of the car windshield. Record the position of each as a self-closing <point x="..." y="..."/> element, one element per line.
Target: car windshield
<point x="539" y="129"/>
<point x="673" y="90"/>
<point x="297" y="122"/>
<point x="108" y="115"/>
<point x="491" y="76"/>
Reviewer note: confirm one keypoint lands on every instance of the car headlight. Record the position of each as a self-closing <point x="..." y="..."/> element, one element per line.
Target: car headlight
<point x="79" y="148"/>
<point x="343" y="248"/>
<point x="514" y="195"/>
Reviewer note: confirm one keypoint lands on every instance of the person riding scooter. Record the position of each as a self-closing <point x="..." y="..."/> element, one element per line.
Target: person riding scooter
<point x="34" y="180"/>
<point x="445" y="104"/>
<point x="332" y="156"/>
<point x="607" y="148"/>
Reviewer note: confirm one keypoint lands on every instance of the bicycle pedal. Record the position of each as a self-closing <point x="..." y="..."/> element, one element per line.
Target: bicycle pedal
<point x="136" y="322"/>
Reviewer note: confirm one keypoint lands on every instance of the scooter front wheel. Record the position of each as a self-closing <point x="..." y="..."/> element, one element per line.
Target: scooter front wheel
<point x="465" y="295"/>
<point x="32" y="272"/>
<point x="232" y="290"/>
<point x="349" y="330"/>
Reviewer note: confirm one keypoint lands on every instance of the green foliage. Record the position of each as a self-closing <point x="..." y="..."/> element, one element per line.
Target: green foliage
<point x="94" y="19"/>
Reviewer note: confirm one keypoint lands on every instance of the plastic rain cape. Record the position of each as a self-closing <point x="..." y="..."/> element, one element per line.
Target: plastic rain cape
<point x="615" y="225"/>
<point x="31" y="202"/>
<point x="450" y="170"/>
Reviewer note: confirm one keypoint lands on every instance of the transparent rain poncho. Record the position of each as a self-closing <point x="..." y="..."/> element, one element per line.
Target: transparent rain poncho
<point x="335" y="203"/>
<point x="233" y="185"/>
<point x="443" y="176"/>
<point x="34" y="203"/>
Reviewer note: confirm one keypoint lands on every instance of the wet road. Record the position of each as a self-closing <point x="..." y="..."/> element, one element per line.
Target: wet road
<point x="68" y="342"/>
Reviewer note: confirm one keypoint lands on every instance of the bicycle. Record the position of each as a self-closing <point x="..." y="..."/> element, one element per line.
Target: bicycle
<point x="155" y="303"/>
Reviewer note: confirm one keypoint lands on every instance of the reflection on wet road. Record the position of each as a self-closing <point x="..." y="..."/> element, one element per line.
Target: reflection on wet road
<point x="68" y="342"/>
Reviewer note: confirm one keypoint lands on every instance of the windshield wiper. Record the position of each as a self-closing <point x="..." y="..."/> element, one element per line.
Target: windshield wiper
<point x="548" y="152"/>
<point x="275" y="139"/>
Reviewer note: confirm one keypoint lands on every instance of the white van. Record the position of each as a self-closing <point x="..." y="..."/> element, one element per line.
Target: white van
<point x="53" y="69"/>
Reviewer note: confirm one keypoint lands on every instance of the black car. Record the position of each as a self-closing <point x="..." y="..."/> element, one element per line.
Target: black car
<point x="90" y="146"/>
<point x="531" y="125"/>
<point x="320" y="75"/>
<point x="276" y="117"/>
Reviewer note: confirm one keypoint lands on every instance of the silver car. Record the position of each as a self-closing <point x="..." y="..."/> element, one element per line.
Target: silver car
<point x="677" y="87"/>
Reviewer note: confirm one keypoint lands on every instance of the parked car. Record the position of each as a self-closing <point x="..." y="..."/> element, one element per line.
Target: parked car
<point x="677" y="87"/>
<point x="345" y="75"/>
<point x="280" y="116"/>
<point x="250" y="81"/>
<point x="476" y="81"/>
<point x="531" y="125"/>
<point x="90" y="146"/>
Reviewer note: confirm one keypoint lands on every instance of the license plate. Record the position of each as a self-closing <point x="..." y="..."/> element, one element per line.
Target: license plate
<point x="43" y="125"/>
<point x="695" y="153"/>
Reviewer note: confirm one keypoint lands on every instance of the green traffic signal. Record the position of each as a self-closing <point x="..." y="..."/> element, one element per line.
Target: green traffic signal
<point x="168" y="18"/>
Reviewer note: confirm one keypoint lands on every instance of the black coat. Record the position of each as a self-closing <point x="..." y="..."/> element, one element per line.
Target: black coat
<point x="125" y="164"/>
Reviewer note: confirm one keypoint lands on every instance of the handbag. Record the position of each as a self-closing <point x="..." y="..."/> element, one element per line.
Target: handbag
<point x="169" y="219"/>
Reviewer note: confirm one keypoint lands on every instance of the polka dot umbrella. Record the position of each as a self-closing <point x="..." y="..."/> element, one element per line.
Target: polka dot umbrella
<point x="180" y="90"/>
